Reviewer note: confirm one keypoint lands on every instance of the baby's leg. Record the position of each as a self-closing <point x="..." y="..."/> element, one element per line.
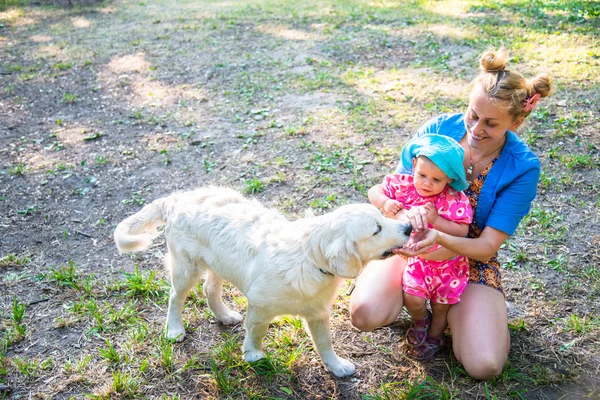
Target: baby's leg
<point x="415" y="306"/>
<point x="439" y="319"/>
<point x="417" y="333"/>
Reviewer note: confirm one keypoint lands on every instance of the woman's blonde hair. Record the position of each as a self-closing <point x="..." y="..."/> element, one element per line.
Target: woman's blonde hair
<point x="511" y="87"/>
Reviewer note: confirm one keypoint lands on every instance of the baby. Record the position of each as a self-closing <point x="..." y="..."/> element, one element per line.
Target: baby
<point x="436" y="183"/>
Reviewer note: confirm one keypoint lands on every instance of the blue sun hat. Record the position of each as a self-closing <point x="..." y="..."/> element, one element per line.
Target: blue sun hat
<point x="443" y="151"/>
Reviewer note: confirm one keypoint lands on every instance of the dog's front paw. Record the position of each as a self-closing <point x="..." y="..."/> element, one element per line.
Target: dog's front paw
<point x="253" y="355"/>
<point x="230" y="318"/>
<point x="176" y="333"/>
<point x="340" y="367"/>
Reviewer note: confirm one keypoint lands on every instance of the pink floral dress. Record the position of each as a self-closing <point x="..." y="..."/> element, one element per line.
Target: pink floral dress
<point x="441" y="281"/>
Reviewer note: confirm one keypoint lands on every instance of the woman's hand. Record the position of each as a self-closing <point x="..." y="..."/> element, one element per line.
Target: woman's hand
<point x="420" y="216"/>
<point x="419" y="243"/>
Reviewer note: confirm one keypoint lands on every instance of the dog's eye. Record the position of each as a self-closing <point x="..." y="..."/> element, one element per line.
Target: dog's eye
<point x="378" y="230"/>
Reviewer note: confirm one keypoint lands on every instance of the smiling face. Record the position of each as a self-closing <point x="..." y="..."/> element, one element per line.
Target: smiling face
<point x="428" y="179"/>
<point x="487" y="121"/>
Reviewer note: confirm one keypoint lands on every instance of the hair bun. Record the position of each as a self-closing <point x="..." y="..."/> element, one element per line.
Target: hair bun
<point x="541" y="84"/>
<point x="494" y="61"/>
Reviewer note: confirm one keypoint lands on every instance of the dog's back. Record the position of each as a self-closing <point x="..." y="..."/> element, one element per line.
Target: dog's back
<point x="216" y="227"/>
<point x="226" y="232"/>
<point x="136" y="232"/>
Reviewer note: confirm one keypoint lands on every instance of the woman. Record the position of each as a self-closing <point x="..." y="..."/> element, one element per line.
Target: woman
<point x="503" y="173"/>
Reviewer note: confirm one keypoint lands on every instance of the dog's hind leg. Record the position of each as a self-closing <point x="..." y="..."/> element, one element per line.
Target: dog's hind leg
<point x="321" y="336"/>
<point x="184" y="276"/>
<point x="213" y="288"/>
<point x="257" y="324"/>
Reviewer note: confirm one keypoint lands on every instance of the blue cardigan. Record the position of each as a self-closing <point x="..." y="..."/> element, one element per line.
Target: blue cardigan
<point x="511" y="184"/>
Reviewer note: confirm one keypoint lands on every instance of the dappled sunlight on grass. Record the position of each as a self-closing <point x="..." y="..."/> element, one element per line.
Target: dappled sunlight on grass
<point x="451" y="31"/>
<point x="74" y="137"/>
<point x="107" y="10"/>
<point x="449" y="8"/>
<point x="12" y="14"/>
<point x="310" y="104"/>
<point x="290" y="34"/>
<point x="41" y="38"/>
<point x="80" y="22"/>
<point x="405" y="86"/>
<point x="565" y="57"/>
<point x="49" y="51"/>
<point x="129" y="63"/>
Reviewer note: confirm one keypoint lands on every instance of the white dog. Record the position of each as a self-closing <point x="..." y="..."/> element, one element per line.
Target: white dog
<point x="282" y="267"/>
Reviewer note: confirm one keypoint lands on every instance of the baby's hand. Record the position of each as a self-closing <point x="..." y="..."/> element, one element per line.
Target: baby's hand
<point x="392" y="207"/>
<point x="432" y="213"/>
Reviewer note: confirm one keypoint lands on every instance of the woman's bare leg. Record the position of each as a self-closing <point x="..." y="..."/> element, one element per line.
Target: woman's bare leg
<point x="377" y="298"/>
<point x="480" y="337"/>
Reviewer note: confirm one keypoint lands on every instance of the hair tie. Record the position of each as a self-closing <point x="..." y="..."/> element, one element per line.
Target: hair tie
<point x="531" y="101"/>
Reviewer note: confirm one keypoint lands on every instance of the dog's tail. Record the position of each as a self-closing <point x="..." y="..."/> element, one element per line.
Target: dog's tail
<point x="137" y="232"/>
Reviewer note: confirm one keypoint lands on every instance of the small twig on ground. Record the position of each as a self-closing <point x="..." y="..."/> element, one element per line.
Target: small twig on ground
<point x="83" y="234"/>
<point x="32" y="302"/>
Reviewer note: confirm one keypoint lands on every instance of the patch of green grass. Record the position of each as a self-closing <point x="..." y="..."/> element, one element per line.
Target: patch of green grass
<point x="166" y="353"/>
<point x="138" y="333"/>
<point x="110" y="354"/>
<point x="209" y="166"/>
<point x="560" y="263"/>
<point x="69" y="98"/>
<point x="537" y="284"/>
<point x="135" y="198"/>
<point x="18" y="169"/>
<point x="541" y="218"/>
<point x="63" y="65"/>
<point x="324" y="203"/>
<point x="13" y="260"/>
<point x="17" y="316"/>
<point x="228" y="385"/>
<point x="78" y="366"/>
<point x="546" y="180"/>
<point x="121" y="315"/>
<point x="66" y="275"/>
<point x="125" y="385"/>
<point x="26" y="366"/>
<point x="165" y="154"/>
<point x="333" y="160"/>
<point x="145" y="287"/>
<point x="580" y="325"/>
<point x="254" y="185"/>
<point x="518" y="326"/>
<point x="29" y="210"/>
<point x="101" y="160"/>
<point x="419" y="388"/>
<point x="322" y="80"/>
<point x="568" y="125"/>
<point x="579" y="161"/>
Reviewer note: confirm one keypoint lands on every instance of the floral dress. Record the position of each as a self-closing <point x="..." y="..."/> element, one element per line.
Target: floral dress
<point x="483" y="273"/>
<point x="441" y="281"/>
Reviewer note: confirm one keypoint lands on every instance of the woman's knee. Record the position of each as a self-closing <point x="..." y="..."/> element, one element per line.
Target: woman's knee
<point x="359" y="318"/>
<point x="484" y="366"/>
<point x="366" y="317"/>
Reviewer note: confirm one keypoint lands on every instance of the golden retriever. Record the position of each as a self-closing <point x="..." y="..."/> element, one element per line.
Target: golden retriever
<point x="281" y="266"/>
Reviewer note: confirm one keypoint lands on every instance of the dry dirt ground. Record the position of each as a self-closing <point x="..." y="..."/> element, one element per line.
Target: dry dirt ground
<point x="302" y="106"/>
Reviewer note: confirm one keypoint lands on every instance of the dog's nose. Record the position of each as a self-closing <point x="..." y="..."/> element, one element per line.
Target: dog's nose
<point x="407" y="229"/>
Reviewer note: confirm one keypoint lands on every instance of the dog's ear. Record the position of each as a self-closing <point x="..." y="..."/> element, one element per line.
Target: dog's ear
<point x="342" y="257"/>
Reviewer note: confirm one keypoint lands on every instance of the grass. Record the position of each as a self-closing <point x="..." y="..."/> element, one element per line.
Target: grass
<point x="66" y="275"/>
<point x="11" y="259"/>
<point x="138" y="285"/>
<point x="301" y="105"/>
